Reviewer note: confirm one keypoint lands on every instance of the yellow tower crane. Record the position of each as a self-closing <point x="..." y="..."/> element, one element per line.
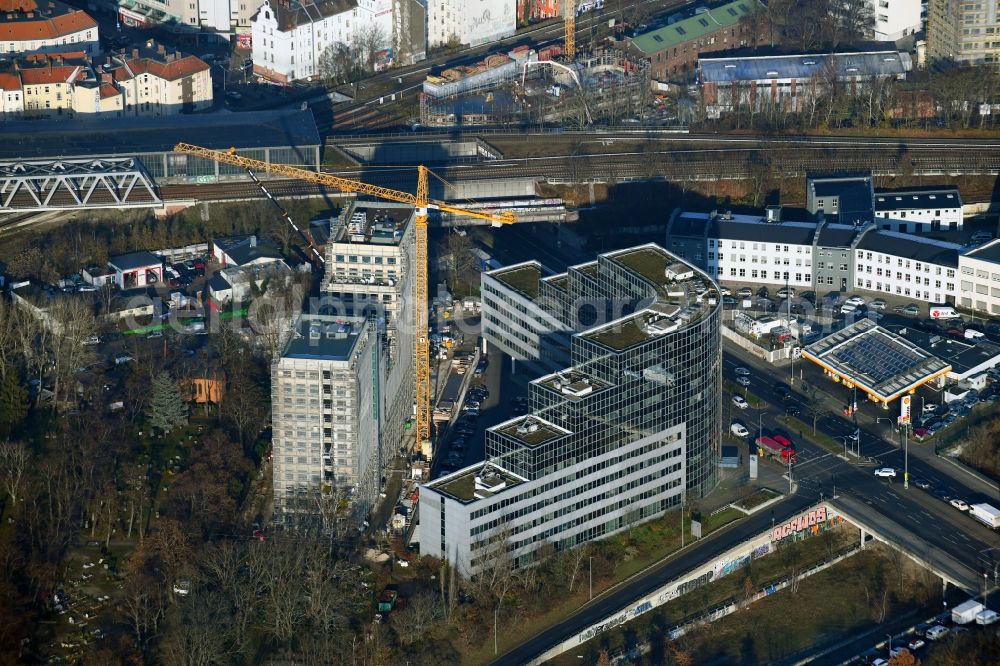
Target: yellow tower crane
<point x="421" y="203"/>
<point x="569" y="18"/>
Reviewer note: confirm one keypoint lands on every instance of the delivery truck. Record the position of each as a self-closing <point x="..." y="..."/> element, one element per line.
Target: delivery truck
<point x="767" y="446"/>
<point x="986" y="514"/>
<point x="966" y="612"/>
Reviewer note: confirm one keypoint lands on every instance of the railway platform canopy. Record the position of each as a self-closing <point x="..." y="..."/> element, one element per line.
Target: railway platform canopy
<point x="882" y="364"/>
<point x="281" y="136"/>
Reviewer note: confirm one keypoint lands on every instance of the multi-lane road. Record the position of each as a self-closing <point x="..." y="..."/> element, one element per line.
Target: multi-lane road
<point x="968" y="543"/>
<point x="915" y="519"/>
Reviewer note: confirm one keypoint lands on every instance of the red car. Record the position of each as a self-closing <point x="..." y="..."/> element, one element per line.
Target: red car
<point x="781" y="439"/>
<point x="955" y="333"/>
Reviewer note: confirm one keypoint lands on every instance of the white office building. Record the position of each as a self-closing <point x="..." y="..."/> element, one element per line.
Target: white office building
<point x="289" y="38"/>
<point x="471" y="22"/>
<point x="915" y="211"/>
<point x="890" y="262"/>
<point x="622" y="435"/>
<point x="822" y="256"/>
<point x="979" y="279"/>
<point x="522" y="320"/>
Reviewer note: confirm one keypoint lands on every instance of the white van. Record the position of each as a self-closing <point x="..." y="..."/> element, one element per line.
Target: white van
<point x="943" y="312"/>
<point x="936" y="632"/>
<point x="739" y="430"/>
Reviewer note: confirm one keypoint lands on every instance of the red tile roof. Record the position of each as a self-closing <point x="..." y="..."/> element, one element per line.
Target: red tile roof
<point x="34" y="76"/>
<point x="108" y="90"/>
<point x="10" y="81"/>
<point x="171" y="71"/>
<point x="24" y="30"/>
<point x="11" y="6"/>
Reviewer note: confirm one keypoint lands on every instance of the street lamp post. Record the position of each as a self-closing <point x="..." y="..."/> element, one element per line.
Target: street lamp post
<point x="591" y="577"/>
<point x="890" y="642"/>
<point x="906" y="455"/>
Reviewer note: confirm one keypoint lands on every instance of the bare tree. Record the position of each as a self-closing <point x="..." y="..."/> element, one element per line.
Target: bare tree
<point x="421" y="611"/>
<point x="14" y="459"/>
<point x="577" y="556"/>
<point x="71" y="321"/>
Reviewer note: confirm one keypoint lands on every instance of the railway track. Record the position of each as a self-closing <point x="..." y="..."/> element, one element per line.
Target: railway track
<point x="670" y="165"/>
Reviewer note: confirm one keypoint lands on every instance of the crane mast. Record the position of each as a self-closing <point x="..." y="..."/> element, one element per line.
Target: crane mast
<point x="421" y="204"/>
<point x="569" y="19"/>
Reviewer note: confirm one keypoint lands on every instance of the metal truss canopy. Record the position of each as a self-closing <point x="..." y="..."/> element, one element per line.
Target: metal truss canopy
<point x="110" y="182"/>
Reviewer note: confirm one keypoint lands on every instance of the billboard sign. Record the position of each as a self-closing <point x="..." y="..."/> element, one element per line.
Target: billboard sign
<point x="904" y="409"/>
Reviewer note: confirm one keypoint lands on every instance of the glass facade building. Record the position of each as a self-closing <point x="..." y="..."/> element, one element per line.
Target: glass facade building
<point x="624" y="434"/>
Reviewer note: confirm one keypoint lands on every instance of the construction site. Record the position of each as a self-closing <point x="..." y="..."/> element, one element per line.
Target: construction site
<point x="553" y="85"/>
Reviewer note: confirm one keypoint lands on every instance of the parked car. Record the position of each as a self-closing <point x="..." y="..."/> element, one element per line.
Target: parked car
<point x="886" y="472"/>
<point x="847" y="308"/>
<point x="740" y="402"/>
<point x="915" y="644"/>
<point x="786" y="292"/>
<point x="911" y="310"/>
<point x="877" y="304"/>
<point x="936" y="632"/>
<point x="856" y="301"/>
<point x="745" y="292"/>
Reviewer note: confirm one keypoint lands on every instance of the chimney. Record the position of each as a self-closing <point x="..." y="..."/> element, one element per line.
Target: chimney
<point x="161" y="49"/>
<point x="170" y="57"/>
<point x="253" y="241"/>
<point x="135" y="53"/>
<point x="107" y="77"/>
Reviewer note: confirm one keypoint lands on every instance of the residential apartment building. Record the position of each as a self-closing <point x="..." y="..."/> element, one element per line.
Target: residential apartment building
<point x="219" y="15"/>
<point x="51" y="85"/>
<point x="472" y="23"/>
<point x="522" y="316"/>
<point x="289" y="38"/>
<point x="26" y="27"/>
<point x="915" y="211"/>
<point x="327" y="443"/>
<point x="815" y="255"/>
<point x="979" y="279"/>
<point x="371" y="273"/>
<point x="964" y="32"/>
<point x="673" y="50"/>
<point x="789" y="82"/>
<point x="624" y="434"/>
<point x="162" y="83"/>
<point x="895" y="19"/>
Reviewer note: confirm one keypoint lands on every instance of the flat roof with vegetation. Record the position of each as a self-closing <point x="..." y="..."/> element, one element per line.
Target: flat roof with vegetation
<point x="523" y="278"/>
<point x="694" y="27"/>
<point x="647" y="262"/>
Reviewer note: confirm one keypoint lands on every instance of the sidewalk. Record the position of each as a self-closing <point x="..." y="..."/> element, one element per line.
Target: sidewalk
<point x="735" y="483"/>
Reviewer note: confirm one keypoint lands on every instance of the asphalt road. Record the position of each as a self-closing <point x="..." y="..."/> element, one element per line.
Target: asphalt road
<point x="915" y="519"/>
<point x="968" y="542"/>
<point x="658" y="575"/>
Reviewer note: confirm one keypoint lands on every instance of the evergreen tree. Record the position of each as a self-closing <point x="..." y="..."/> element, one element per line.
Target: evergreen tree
<point x="13" y="403"/>
<point x="167" y="409"/>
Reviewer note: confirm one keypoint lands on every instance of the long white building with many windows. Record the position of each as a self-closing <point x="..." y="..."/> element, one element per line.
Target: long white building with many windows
<point x="979" y="280"/>
<point x="624" y="433"/>
<point x="822" y="256"/>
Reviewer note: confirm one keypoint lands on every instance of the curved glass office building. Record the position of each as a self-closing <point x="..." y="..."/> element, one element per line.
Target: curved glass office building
<point x="628" y="431"/>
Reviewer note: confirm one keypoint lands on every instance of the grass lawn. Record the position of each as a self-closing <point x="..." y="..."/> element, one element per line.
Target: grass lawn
<point x="643" y="546"/>
<point x="829" y="606"/>
<point x="721" y="519"/>
<point x="764" y="571"/>
<point x="755" y="499"/>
